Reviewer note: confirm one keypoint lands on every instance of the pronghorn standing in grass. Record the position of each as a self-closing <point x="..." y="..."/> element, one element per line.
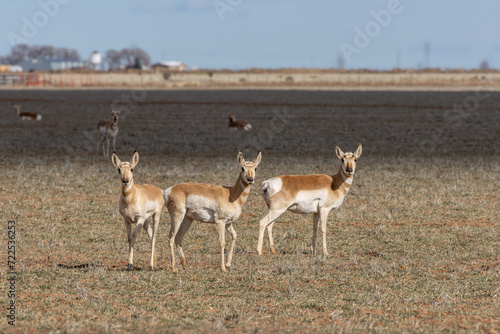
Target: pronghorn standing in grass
<point x="316" y="194"/>
<point x="27" y="116"/>
<point x="238" y="125"/>
<point x="209" y="204"/>
<point x="138" y="203"/>
<point x="108" y="129"/>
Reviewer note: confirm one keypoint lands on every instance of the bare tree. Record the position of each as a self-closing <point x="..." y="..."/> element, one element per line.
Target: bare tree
<point x="130" y="57"/>
<point x="113" y="57"/>
<point x="485" y="65"/>
<point x="20" y="52"/>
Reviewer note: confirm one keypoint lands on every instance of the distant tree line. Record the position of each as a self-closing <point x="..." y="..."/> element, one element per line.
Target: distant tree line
<point x="20" y="52"/>
<point x="128" y="57"/>
<point x="116" y="59"/>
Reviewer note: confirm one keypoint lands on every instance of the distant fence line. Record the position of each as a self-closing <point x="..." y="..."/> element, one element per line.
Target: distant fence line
<point x="207" y="79"/>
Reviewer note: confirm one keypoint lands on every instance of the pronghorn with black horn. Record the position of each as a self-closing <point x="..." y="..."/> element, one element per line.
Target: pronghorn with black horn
<point x="238" y="125"/>
<point x="27" y="116"/>
<point x="209" y="204"/>
<point x="108" y="129"/>
<point x="316" y="194"/>
<point x="138" y="205"/>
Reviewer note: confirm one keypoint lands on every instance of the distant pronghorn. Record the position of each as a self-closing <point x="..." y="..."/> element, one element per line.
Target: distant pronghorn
<point x="209" y="204"/>
<point x="316" y="194"/>
<point x="138" y="203"/>
<point x="107" y="129"/>
<point x="238" y="125"/>
<point x="27" y="116"/>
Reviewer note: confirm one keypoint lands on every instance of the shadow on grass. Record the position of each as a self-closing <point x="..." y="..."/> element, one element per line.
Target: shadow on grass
<point x="97" y="264"/>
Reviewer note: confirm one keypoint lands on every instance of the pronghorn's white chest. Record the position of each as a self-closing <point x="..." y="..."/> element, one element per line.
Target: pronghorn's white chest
<point x="309" y="201"/>
<point x="137" y="211"/>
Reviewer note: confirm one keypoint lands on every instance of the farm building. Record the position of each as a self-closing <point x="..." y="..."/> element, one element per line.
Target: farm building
<point x="10" y="68"/>
<point x="51" y="64"/>
<point x="165" y="66"/>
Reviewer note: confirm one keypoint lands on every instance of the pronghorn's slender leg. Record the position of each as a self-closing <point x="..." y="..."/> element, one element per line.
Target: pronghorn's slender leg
<point x="107" y="151"/>
<point x="129" y="234"/>
<point x="231" y="230"/>
<point x="156" y="223"/>
<point x="101" y="141"/>
<point x="315" y="230"/>
<point x="135" y="232"/>
<point x="271" y="216"/>
<point x="114" y="148"/>
<point x="186" y="223"/>
<point x="270" y="235"/>
<point x="323" y="216"/>
<point x="151" y="234"/>
<point x="221" y="230"/>
<point x="177" y="218"/>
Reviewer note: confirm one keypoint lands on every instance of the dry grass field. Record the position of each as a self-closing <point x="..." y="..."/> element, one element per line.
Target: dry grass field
<point x="414" y="248"/>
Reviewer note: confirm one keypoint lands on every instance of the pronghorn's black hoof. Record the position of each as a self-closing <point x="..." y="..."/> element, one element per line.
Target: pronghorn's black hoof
<point x="130" y="267"/>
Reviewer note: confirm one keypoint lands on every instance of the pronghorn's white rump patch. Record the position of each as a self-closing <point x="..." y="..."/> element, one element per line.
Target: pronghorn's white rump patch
<point x="272" y="186"/>
<point x="166" y="194"/>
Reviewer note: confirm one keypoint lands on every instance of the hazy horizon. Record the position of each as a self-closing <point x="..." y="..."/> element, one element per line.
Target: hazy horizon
<point x="239" y="34"/>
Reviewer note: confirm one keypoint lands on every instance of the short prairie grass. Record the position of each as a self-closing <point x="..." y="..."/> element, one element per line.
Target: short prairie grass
<point x="411" y="250"/>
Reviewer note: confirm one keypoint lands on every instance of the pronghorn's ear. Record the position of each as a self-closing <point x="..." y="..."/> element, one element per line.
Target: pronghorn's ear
<point x="114" y="159"/>
<point x="339" y="152"/>
<point x="257" y="159"/>
<point x="357" y="154"/>
<point x="135" y="159"/>
<point x="239" y="159"/>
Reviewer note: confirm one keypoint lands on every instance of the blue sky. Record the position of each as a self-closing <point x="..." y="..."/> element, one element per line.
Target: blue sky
<point x="267" y="33"/>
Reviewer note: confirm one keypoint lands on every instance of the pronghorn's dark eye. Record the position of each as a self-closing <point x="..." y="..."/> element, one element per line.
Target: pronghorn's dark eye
<point x="242" y="169"/>
<point x="355" y="160"/>
<point x="132" y="170"/>
<point x="342" y="160"/>
<point x="119" y="171"/>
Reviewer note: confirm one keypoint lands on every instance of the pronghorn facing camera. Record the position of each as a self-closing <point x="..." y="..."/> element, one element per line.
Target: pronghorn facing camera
<point x="316" y="194"/>
<point x="27" y="116"/>
<point x="138" y="204"/>
<point x="209" y="204"/>
<point x="108" y="129"/>
<point x="238" y="125"/>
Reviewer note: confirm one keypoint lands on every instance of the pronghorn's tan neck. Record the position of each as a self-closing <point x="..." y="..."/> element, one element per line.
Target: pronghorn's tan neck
<point x="128" y="192"/>
<point x="342" y="181"/>
<point x="239" y="192"/>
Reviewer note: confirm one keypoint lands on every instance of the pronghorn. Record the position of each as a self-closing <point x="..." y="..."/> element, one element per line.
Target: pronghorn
<point x="107" y="129"/>
<point x="138" y="203"/>
<point x="209" y="204"/>
<point x="316" y="194"/>
<point x="27" y="116"/>
<point x="238" y="125"/>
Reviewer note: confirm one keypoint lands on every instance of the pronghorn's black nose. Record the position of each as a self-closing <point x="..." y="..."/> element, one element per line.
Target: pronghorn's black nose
<point x="348" y="169"/>
<point x="250" y="180"/>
